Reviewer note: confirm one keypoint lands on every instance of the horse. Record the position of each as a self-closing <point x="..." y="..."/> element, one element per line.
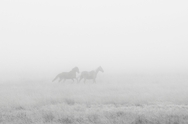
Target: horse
<point x="90" y="75"/>
<point x="67" y="75"/>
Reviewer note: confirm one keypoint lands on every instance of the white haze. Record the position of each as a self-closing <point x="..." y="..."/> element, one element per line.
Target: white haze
<point x="142" y="46"/>
<point x="43" y="36"/>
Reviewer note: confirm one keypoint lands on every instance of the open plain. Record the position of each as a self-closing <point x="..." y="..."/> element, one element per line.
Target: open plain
<point x="128" y="99"/>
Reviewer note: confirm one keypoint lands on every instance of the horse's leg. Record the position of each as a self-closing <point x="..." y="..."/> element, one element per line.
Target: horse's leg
<point x="76" y="79"/>
<point x="80" y="79"/>
<point x="94" y="81"/>
<point x="60" y="79"/>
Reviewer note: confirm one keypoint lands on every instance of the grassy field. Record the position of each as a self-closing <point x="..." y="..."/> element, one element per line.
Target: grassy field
<point x="129" y="99"/>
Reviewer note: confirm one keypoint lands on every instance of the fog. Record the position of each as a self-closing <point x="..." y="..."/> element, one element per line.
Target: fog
<point x="43" y="36"/>
<point x="141" y="46"/>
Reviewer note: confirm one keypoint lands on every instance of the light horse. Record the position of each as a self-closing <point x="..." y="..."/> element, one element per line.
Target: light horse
<point x="90" y="75"/>
<point x="67" y="75"/>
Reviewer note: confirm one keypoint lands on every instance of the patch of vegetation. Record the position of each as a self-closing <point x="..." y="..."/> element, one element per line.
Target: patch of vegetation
<point x="48" y="117"/>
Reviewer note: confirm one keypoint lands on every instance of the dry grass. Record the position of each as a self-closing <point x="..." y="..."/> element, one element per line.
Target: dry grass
<point x="133" y="100"/>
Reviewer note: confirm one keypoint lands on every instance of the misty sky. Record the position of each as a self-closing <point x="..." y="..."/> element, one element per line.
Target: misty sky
<point x="118" y="35"/>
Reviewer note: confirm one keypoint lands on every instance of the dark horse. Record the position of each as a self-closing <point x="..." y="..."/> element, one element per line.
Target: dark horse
<point x="90" y="75"/>
<point x="67" y="75"/>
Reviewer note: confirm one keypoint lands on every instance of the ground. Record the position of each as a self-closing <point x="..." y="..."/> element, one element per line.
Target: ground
<point x="130" y="100"/>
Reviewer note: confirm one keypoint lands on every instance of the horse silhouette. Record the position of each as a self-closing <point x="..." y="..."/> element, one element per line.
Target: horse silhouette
<point x="91" y="74"/>
<point x="67" y="75"/>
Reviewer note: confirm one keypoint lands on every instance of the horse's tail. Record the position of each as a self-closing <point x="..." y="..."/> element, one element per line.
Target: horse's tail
<point x="55" y="78"/>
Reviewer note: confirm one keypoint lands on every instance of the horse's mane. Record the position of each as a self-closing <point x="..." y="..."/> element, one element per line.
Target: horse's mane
<point x="75" y="68"/>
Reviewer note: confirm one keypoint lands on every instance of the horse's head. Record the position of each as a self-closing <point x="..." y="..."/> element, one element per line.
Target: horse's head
<point x="100" y="69"/>
<point x="76" y="69"/>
